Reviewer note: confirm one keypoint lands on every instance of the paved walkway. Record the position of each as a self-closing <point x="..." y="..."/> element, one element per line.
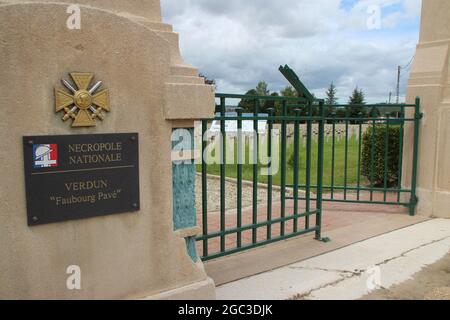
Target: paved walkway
<point x="336" y="215"/>
<point x="353" y="271"/>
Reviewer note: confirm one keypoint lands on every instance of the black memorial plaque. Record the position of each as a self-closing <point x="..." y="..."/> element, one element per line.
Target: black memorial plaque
<point x="80" y="176"/>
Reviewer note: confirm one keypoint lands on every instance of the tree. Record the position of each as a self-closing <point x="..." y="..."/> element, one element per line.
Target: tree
<point x="272" y="104"/>
<point x="374" y="112"/>
<point x="331" y="98"/>
<point x="357" y="97"/>
<point x="289" y="92"/>
<point x="331" y="101"/>
<point x="262" y="89"/>
<point x="357" y="102"/>
<point x="248" y="105"/>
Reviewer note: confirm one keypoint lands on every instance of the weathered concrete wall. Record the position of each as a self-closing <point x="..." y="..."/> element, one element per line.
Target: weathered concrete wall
<point x="431" y="82"/>
<point x="122" y="256"/>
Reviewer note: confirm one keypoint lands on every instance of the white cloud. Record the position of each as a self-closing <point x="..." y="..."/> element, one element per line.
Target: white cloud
<point x="239" y="42"/>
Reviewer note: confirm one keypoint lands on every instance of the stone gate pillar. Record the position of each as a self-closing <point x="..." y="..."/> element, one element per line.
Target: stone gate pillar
<point x="151" y="92"/>
<point x="430" y="80"/>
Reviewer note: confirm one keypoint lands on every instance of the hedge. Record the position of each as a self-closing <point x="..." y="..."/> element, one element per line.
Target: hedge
<point x="379" y="153"/>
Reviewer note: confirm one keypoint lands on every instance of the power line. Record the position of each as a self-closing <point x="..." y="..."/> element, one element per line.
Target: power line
<point x="409" y="64"/>
<point x="399" y="76"/>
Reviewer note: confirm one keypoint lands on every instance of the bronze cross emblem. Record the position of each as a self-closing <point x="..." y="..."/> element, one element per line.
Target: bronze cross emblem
<point x="83" y="104"/>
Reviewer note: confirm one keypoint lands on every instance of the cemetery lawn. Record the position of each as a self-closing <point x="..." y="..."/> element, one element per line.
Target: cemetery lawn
<point x="339" y="165"/>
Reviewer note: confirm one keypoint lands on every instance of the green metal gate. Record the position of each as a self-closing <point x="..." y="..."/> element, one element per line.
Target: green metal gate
<point x="246" y="228"/>
<point x="376" y="173"/>
<point x="303" y="143"/>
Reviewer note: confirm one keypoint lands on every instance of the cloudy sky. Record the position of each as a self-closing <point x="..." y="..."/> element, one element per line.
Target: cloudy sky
<point x="239" y="43"/>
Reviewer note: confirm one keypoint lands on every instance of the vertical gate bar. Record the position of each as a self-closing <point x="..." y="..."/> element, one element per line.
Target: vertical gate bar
<point x="283" y="166"/>
<point x="222" y="173"/>
<point x="400" y="156"/>
<point x="308" y="163"/>
<point x="320" y="171"/>
<point x="417" y="118"/>
<point x="372" y="158"/>
<point x="240" y="162"/>
<point x="386" y="156"/>
<point x="296" y="165"/>
<point x="204" y="189"/>
<point x="333" y="155"/>
<point x="359" y="159"/>
<point x="346" y="152"/>
<point x="255" y="170"/>
<point x="270" y="177"/>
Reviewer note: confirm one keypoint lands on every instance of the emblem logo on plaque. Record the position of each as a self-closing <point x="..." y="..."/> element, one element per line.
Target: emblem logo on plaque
<point x="84" y="103"/>
<point x="45" y="155"/>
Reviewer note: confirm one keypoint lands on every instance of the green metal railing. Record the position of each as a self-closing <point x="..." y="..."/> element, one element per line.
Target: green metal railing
<point x="242" y="228"/>
<point x="321" y="159"/>
<point x="297" y="207"/>
<point x="365" y="189"/>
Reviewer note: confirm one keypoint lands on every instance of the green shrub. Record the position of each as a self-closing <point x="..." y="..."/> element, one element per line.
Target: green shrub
<point x="379" y="152"/>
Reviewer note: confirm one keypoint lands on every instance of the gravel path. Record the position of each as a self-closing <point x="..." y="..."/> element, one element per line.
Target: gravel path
<point x="231" y="194"/>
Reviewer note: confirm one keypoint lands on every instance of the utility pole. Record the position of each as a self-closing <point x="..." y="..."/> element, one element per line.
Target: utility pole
<point x="398" y="84"/>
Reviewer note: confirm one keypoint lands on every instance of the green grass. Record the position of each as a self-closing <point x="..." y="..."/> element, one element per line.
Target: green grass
<point x="339" y="165"/>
